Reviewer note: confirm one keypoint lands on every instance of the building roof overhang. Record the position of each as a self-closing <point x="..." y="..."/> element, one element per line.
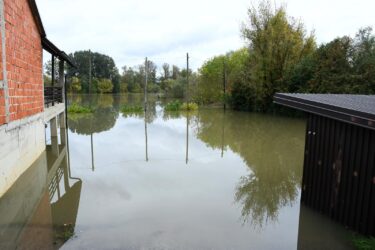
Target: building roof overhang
<point x="354" y="109"/>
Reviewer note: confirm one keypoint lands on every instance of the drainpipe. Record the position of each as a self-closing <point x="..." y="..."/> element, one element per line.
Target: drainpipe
<point x="4" y="83"/>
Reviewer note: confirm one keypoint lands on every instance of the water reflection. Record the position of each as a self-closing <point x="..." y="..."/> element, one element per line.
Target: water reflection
<point x="274" y="166"/>
<point x="40" y="209"/>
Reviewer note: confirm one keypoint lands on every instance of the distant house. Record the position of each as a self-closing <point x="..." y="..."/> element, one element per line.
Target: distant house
<point x="26" y="105"/>
<point x="339" y="167"/>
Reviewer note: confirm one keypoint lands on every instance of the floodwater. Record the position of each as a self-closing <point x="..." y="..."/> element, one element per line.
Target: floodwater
<point x="166" y="180"/>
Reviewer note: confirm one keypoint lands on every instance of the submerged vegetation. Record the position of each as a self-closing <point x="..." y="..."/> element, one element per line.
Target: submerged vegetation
<point x="179" y="106"/>
<point x="189" y="106"/>
<point x="75" y="108"/>
<point x="173" y="106"/>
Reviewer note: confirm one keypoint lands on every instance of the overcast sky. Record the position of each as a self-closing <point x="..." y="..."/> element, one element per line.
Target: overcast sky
<point x="164" y="30"/>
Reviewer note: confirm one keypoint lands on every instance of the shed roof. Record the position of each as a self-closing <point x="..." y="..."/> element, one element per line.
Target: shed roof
<point x="47" y="44"/>
<point x="354" y="109"/>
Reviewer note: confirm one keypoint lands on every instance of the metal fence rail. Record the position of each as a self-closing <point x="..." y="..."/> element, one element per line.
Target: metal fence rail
<point x="53" y="95"/>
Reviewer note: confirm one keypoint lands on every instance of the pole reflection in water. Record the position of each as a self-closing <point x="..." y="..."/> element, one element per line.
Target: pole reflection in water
<point x="92" y="153"/>
<point x="187" y="137"/>
<point x="146" y="139"/>
<point x="222" y="133"/>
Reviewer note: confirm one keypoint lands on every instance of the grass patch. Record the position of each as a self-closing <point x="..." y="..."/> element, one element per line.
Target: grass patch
<point x="78" y="109"/>
<point x="364" y="243"/>
<point x="131" y="109"/>
<point x="179" y="106"/>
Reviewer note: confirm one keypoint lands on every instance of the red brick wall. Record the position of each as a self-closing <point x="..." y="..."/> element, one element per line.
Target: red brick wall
<point x="24" y="62"/>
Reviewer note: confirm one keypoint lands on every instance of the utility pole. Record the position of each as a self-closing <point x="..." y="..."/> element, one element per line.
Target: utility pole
<point x="146" y="73"/>
<point x="224" y="82"/>
<point x="90" y="72"/>
<point x="145" y="89"/>
<point x="187" y="77"/>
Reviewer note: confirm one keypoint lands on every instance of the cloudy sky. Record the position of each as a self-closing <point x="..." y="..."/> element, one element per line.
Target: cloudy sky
<point x="164" y="30"/>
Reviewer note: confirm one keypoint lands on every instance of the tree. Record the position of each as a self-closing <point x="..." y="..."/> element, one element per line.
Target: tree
<point x="166" y="72"/>
<point x="211" y="76"/>
<point x="105" y="86"/>
<point x="102" y="67"/>
<point x="344" y="65"/>
<point x="75" y="85"/>
<point x="276" y="43"/>
<point x="175" y="72"/>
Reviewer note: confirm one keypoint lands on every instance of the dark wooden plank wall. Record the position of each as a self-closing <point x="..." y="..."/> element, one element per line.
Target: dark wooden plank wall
<point x="339" y="172"/>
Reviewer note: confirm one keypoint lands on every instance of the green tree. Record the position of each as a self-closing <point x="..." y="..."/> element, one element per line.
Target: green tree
<point x="211" y="76"/>
<point x="105" y="86"/>
<point x="102" y="67"/>
<point x="276" y="43"/>
<point x="75" y="85"/>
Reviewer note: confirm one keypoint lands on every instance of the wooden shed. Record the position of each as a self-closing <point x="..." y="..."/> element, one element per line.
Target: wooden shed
<point x="339" y="166"/>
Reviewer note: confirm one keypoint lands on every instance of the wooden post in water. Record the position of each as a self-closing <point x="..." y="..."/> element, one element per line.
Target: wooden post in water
<point x="145" y="87"/>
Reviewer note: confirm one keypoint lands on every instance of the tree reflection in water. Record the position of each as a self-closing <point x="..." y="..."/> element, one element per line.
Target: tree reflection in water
<point x="274" y="159"/>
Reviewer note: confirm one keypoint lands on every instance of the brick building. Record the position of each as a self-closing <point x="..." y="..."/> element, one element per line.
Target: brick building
<point x="23" y="96"/>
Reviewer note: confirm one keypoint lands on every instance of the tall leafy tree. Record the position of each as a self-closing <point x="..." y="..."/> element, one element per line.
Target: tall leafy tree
<point x="276" y="42"/>
<point x="102" y="67"/>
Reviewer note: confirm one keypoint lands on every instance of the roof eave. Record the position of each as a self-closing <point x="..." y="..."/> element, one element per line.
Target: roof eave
<point x="336" y="113"/>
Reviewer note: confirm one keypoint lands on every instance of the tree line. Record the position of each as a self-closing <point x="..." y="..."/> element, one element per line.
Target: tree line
<point x="97" y="73"/>
<point x="279" y="56"/>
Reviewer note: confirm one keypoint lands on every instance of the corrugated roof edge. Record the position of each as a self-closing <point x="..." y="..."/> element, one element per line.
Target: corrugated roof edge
<point x="351" y="116"/>
<point x="46" y="44"/>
